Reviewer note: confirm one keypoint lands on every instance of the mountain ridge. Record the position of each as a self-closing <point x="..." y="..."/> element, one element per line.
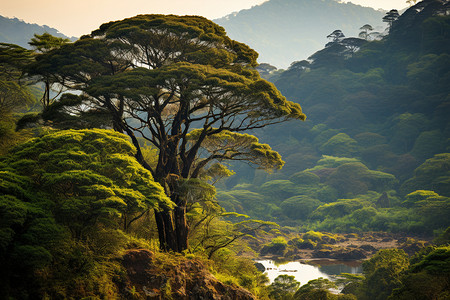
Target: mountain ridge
<point x="19" y="32"/>
<point x="283" y="31"/>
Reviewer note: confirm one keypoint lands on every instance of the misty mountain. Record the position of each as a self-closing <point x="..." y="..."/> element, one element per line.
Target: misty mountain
<point x="283" y="31"/>
<point x="15" y="31"/>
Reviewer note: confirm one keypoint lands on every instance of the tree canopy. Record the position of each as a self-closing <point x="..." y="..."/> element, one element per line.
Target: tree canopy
<point x="67" y="188"/>
<point x="91" y="175"/>
<point x="160" y="77"/>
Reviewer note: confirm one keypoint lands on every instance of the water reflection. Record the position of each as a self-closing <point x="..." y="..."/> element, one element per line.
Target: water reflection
<point x="305" y="272"/>
<point x="332" y="267"/>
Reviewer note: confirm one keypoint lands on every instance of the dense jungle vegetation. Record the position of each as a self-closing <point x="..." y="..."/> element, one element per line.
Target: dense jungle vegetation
<point x="134" y="161"/>
<point x="372" y="154"/>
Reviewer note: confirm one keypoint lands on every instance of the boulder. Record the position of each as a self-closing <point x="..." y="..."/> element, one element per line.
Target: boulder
<point x="150" y="278"/>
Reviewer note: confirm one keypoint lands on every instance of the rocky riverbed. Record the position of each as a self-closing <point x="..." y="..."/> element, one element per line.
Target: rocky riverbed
<point x="316" y="245"/>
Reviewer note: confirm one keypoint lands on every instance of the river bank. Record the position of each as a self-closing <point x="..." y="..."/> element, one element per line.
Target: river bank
<point x="310" y="246"/>
<point x="304" y="271"/>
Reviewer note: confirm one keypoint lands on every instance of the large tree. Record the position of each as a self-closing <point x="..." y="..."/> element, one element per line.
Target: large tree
<point x="390" y="17"/>
<point x="162" y="77"/>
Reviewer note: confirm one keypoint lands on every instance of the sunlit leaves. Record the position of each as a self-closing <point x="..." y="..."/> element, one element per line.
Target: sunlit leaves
<point x="90" y="174"/>
<point x="433" y="174"/>
<point x="228" y="145"/>
<point x="383" y="273"/>
<point x="46" y="42"/>
<point x="159" y="77"/>
<point x="283" y="287"/>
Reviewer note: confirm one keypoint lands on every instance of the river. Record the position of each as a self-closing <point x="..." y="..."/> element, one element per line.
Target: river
<point x="304" y="272"/>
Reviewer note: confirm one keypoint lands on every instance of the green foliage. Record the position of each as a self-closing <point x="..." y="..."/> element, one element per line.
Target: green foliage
<point x="212" y="232"/>
<point x="428" y="143"/>
<point x="277" y="246"/>
<point x="363" y="215"/>
<point x="319" y="289"/>
<point x="380" y="111"/>
<point x="383" y="273"/>
<point x="283" y="287"/>
<point x="340" y="145"/>
<point x="238" y="200"/>
<point x="299" y="207"/>
<point x="416" y="197"/>
<point x="443" y="238"/>
<point x="42" y="44"/>
<point x="238" y="146"/>
<point x="337" y="209"/>
<point x="13" y="60"/>
<point x="360" y="214"/>
<point x="234" y="270"/>
<point x="327" y="194"/>
<point x="376" y="155"/>
<point x="437" y="262"/>
<point x="229" y="202"/>
<point x="427" y="278"/>
<point x="305" y="178"/>
<point x="328" y="161"/>
<point x="433" y="175"/>
<point x="313" y="235"/>
<point x="368" y="139"/>
<point x="16" y="95"/>
<point x="430" y="73"/>
<point x="407" y="127"/>
<point x="421" y="285"/>
<point x="387" y="104"/>
<point x="28" y="234"/>
<point x="67" y="199"/>
<point x="46" y="42"/>
<point x="90" y="175"/>
<point x="178" y="82"/>
<point x="319" y="283"/>
<point x="435" y="212"/>
<point x="390" y="274"/>
<point x="385" y="108"/>
<point x="13" y="98"/>
<point x="356" y="178"/>
<point x="278" y="189"/>
<point x="216" y="172"/>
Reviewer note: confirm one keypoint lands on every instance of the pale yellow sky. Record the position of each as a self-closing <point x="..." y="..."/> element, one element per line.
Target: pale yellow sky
<point x="75" y="18"/>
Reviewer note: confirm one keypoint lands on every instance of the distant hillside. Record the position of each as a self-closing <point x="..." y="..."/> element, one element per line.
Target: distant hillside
<point x="15" y="31"/>
<point x="283" y="31"/>
<point x="377" y="135"/>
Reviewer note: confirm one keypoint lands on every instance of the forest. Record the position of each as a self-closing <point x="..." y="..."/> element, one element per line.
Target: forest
<point x="155" y="158"/>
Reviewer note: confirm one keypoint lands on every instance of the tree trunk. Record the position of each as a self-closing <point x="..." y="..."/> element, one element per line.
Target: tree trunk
<point x="169" y="229"/>
<point x="182" y="228"/>
<point x="46" y="97"/>
<point x="161" y="232"/>
<point x="166" y="231"/>
<point x="173" y="229"/>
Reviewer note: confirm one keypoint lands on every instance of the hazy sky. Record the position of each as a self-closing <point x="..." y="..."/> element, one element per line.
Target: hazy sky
<point x="78" y="17"/>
